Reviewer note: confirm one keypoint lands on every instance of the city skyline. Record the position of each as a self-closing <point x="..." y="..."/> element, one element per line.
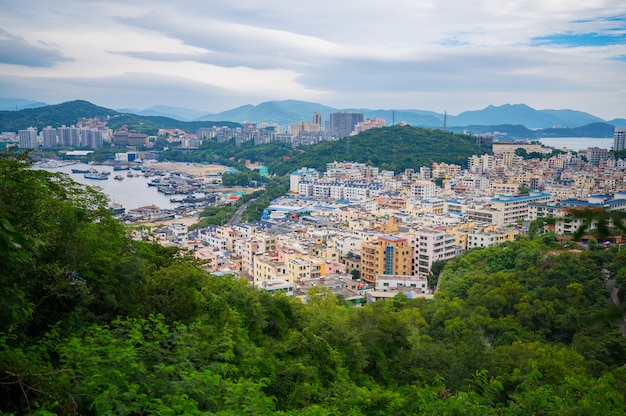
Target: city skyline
<point x="441" y="56"/>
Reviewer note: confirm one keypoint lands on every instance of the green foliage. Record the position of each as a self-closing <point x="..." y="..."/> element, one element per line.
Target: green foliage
<point x="601" y="222"/>
<point x="151" y="124"/>
<point x="393" y="148"/>
<point x="53" y="115"/>
<point x="69" y="112"/>
<point x="93" y="323"/>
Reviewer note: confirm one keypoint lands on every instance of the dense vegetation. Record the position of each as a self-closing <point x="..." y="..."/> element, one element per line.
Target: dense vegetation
<point x="53" y="115"/>
<point x="393" y="148"/>
<point x="150" y="125"/>
<point x="94" y="323"/>
<point x="69" y="112"/>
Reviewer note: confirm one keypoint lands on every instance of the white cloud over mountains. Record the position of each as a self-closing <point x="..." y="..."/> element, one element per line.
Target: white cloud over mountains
<point x="435" y="55"/>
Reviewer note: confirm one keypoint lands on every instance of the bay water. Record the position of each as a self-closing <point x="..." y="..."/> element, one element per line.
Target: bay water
<point x="131" y="192"/>
<point x="577" y="143"/>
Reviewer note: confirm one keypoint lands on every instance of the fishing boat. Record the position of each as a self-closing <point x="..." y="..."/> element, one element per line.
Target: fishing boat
<point x="118" y="178"/>
<point x="96" y="175"/>
<point x="74" y="170"/>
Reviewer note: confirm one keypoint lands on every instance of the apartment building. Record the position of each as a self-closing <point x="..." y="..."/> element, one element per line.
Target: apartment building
<point x="429" y="246"/>
<point x="516" y="208"/>
<point x="268" y="267"/>
<point x="387" y="255"/>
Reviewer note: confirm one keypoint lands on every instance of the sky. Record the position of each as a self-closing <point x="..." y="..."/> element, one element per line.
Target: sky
<point x="436" y="55"/>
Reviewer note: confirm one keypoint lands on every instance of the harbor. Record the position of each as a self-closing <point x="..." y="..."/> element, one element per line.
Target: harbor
<point x="154" y="192"/>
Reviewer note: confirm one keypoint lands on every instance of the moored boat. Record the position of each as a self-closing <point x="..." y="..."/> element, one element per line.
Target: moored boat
<point x="96" y="175"/>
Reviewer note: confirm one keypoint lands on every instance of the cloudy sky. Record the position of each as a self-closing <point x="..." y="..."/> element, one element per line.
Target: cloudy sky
<point x="439" y="55"/>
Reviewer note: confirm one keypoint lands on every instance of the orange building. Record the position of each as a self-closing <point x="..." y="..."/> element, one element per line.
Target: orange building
<point x="389" y="255"/>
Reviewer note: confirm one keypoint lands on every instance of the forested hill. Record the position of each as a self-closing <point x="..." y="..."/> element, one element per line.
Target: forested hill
<point x="69" y="112"/>
<point x="93" y="322"/>
<point x="393" y="148"/>
<point x="52" y="115"/>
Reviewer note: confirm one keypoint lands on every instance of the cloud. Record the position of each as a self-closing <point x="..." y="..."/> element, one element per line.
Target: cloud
<point x="17" y="51"/>
<point x="383" y="54"/>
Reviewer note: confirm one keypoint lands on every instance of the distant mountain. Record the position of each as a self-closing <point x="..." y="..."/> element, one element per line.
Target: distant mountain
<point x="590" y="130"/>
<point x="279" y="112"/>
<point x="69" y="112"/>
<point x="524" y="115"/>
<point x="178" y="113"/>
<point x="507" y="117"/>
<point x="16" y="104"/>
<point x="292" y="111"/>
<point x="572" y="118"/>
<point x="509" y="131"/>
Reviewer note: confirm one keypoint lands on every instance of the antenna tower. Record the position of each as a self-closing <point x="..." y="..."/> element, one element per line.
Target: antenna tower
<point x="393" y="118"/>
<point x="445" y="120"/>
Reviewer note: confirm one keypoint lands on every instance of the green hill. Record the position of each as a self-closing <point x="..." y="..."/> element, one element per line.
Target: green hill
<point x="69" y="112"/>
<point x="394" y="148"/>
<point x="93" y="322"/>
<point x="52" y="115"/>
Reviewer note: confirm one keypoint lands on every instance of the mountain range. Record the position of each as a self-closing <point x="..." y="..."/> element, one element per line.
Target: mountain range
<point x="293" y="111"/>
<point x="517" y="120"/>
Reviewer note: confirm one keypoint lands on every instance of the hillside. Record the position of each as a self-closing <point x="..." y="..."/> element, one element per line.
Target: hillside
<point x="94" y="322"/>
<point x="52" y="115"/>
<point x="151" y="124"/>
<point x="69" y="112"/>
<point x="596" y="130"/>
<point x="394" y="148"/>
<point x="507" y="117"/>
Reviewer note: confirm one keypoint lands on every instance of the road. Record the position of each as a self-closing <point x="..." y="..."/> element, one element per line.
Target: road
<point x="237" y="216"/>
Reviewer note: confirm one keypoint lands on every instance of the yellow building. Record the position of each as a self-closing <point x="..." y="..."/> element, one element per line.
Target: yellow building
<point x="388" y="255"/>
<point x="268" y="267"/>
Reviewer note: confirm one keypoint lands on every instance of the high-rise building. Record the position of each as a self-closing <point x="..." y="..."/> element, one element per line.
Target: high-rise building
<point x="389" y="255"/>
<point x="317" y="118"/>
<point x="342" y="124"/>
<point x="49" y="137"/>
<point x="619" y="138"/>
<point x="28" y="138"/>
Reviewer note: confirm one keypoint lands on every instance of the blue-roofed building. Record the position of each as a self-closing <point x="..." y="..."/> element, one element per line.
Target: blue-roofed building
<point x="516" y="208"/>
<point x="302" y="175"/>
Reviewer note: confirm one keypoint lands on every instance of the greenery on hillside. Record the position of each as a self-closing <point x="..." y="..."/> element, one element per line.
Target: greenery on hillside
<point x="69" y="112"/>
<point x="94" y="323"/>
<point x="53" y="115"/>
<point x="393" y="148"/>
<point x="150" y="125"/>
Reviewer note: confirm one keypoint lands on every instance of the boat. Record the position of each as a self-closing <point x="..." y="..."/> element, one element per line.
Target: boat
<point x="74" y="170"/>
<point x="96" y="175"/>
<point x="130" y="174"/>
<point x="119" y="177"/>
